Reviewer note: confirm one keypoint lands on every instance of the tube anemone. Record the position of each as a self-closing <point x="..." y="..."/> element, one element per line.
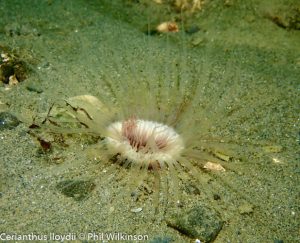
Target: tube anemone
<point x="152" y="119"/>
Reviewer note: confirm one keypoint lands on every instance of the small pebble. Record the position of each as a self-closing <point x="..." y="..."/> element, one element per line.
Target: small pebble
<point x="164" y="239"/>
<point x="213" y="166"/>
<point x="222" y="156"/>
<point x="192" y="30"/>
<point x="8" y="121"/>
<point x="246" y="208"/>
<point x="34" y="86"/>
<point x="278" y="241"/>
<point x="200" y="222"/>
<point x="77" y="189"/>
<point x="198" y="41"/>
<point x="136" y="210"/>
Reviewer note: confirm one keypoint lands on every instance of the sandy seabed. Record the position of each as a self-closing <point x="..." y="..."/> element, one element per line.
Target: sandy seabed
<point x="251" y="53"/>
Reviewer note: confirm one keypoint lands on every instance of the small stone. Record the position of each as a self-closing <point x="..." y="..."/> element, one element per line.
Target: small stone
<point x="201" y="222"/>
<point x="222" y="156"/>
<point x="167" y="27"/>
<point x="136" y="210"/>
<point x="8" y="121"/>
<point x="165" y="239"/>
<point x="34" y="88"/>
<point x="214" y="167"/>
<point x="77" y="189"/>
<point x="278" y="241"/>
<point x="192" y="29"/>
<point x="246" y="208"/>
<point x="198" y="41"/>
